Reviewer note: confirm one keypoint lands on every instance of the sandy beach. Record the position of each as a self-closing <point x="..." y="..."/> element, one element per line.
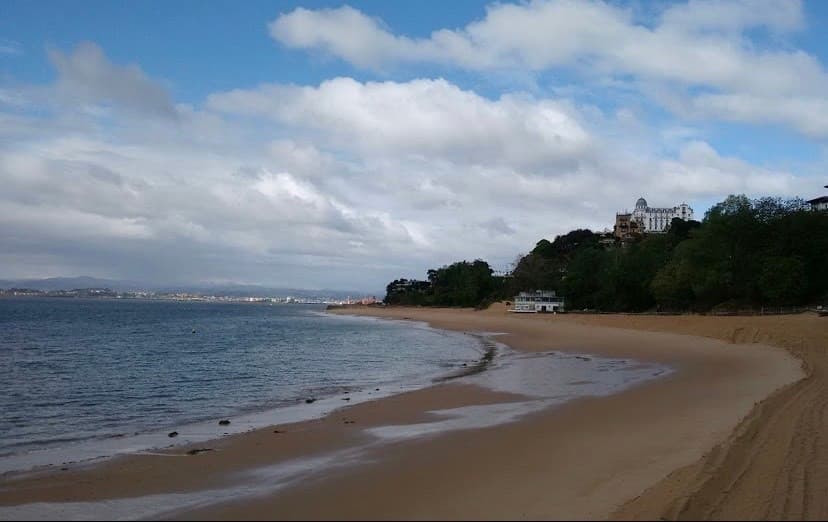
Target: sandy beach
<point x="733" y="432"/>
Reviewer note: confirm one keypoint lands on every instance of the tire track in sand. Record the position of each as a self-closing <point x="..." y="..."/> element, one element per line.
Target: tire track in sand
<point x="775" y="463"/>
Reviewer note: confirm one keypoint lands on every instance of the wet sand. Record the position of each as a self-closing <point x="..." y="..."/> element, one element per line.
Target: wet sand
<point x="585" y="459"/>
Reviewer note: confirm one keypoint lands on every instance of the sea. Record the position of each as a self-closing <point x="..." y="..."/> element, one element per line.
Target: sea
<point x="89" y="378"/>
<point x="76" y="370"/>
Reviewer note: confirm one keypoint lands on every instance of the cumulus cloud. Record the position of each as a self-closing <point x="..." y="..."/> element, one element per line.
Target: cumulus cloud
<point x="344" y="183"/>
<point x="430" y="118"/>
<point x="735" y="15"/>
<point x="118" y="199"/>
<point x="807" y="114"/>
<point x="688" y="44"/>
<point x="344" y="32"/>
<point x="87" y="76"/>
<point x="699" y="169"/>
<point x="697" y="45"/>
<point x="427" y="150"/>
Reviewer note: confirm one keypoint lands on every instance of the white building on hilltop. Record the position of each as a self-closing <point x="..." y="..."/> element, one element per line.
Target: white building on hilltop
<point x="656" y="220"/>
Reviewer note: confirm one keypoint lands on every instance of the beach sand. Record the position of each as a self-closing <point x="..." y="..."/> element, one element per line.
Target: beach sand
<point x="695" y="443"/>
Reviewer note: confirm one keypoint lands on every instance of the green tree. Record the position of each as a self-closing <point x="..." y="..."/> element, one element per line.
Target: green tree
<point x="585" y="275"/>
<point x="745" y="252"/>
<point x="783" y="280"/>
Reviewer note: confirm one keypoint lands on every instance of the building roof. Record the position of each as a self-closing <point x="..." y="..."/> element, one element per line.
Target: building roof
<point x="641" y="203"/>
<point x="821" y="199"/>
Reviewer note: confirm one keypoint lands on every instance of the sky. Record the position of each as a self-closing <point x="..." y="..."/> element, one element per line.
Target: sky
<point x="327" y="145"/>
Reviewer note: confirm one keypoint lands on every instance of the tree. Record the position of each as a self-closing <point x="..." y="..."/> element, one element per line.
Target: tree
<point x="462" y="283"/>
<point x="407" y="292"/>
<point x="635" y="269"/>
<point x="585" y="275"/>
<point x="783" y="280"/>
<point x="751" y="252"/>
<point x="679" y="230"/>
<point x="671" y="287"/>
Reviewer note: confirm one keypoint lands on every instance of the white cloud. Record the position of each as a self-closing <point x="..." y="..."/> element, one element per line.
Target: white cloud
<point x="110" y="199"/>
<point x="702" y="171"/>
<point x="807" y="114"/>
<point x="344" y="183"/>
<point x="87" y="76"/>
<point x="345" y="32"/>
<point x="300" y="157"/>
<point x="735" y="15"/>
<point x="688" y="44"/>
<point x="698" y="45"/>
<point x="428" y="118"/>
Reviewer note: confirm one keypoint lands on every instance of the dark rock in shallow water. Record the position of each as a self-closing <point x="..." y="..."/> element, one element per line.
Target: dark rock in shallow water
<point x="278" y="431"/>
<point x="224" y="422"/>
<point x="198" y="450"/>
<point x="346" y="398"/>
<point x="376" y="389"/>
<point x="309" y="401"/>
<point x="349" y="422"/>
<point x="172" y="434"/>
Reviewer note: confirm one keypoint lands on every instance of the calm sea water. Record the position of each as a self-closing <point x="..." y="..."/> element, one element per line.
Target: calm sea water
<point x="75" y="370"/>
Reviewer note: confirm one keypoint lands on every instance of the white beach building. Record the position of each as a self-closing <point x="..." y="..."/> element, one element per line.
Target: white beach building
<point x="819" y="204"/>
<point x="538" y="301"/>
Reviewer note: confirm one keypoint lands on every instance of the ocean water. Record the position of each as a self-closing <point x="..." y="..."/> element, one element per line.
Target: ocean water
<point x="76" y="370"/>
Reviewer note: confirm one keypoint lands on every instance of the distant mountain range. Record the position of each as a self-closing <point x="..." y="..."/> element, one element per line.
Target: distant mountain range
<point x="71" y="283"/>
<point x="234" y="290"/>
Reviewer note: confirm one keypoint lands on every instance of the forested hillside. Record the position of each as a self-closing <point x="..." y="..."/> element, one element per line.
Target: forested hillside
<point x="763" y="252"/>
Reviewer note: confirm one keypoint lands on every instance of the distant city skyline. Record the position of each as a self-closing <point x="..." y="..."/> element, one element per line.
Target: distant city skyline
<point x="327" y="145"/>
<point x="202" y="288"/>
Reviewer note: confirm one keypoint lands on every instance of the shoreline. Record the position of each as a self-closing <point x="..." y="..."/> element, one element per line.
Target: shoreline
<point x="410" y="469"/>
<point x="772" y="465"/>
<point x="191" y="432"/>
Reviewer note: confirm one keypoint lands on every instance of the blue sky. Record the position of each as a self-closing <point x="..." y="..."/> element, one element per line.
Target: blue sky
<point x="313" y="143"/>
<point x="181" y="42"/>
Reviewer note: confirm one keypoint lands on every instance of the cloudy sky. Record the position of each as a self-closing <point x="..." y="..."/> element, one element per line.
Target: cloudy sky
<point x="325" y="145"/>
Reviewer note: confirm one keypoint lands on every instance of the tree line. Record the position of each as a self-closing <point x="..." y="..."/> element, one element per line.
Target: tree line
<point x="462" y="283"/>
<point x="761" y="252"/>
